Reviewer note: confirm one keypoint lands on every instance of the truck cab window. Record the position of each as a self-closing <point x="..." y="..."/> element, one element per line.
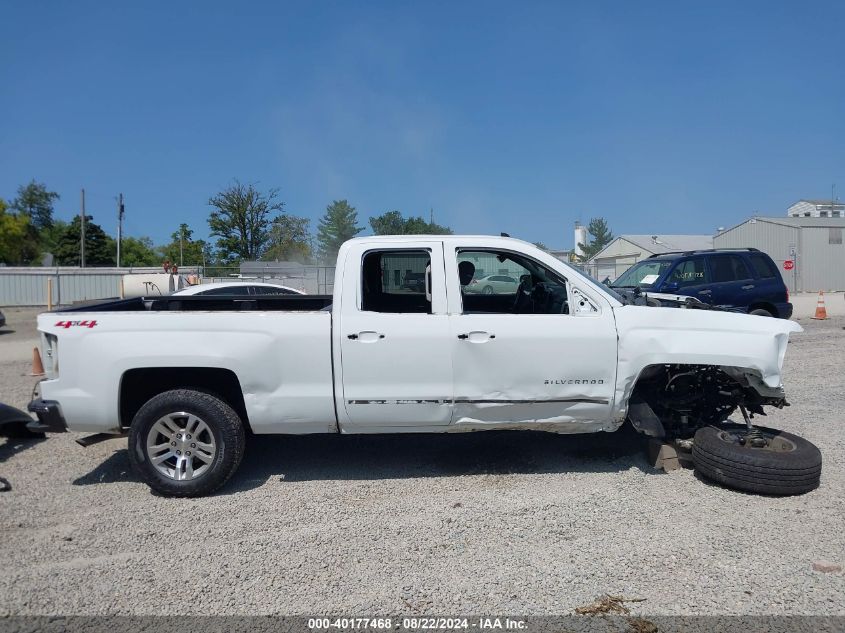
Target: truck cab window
<point x="396" y="281"/>
<point x="500" y="282"/>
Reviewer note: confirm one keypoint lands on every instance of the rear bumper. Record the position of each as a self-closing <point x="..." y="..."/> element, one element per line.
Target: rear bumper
<point x="50" y="418"/>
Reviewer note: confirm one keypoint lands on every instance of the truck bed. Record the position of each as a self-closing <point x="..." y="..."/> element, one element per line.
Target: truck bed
<point x="216" y="303"/>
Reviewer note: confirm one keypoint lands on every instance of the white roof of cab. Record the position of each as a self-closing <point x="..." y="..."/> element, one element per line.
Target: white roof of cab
<point x="437" y="238"/>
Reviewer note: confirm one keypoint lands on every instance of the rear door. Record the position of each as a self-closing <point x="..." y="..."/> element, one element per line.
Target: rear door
<point x="732" y="282"/>
<point x="396" y="364"/>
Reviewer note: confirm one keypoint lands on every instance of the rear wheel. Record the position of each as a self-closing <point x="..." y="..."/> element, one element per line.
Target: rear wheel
<point x="765" y="461"/>
<point x="761" y="312"/>
<point x="487" y="290"/>
<point x="185" y="443"/>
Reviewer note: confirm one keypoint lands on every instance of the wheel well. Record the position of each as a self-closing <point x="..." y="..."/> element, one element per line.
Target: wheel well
<point x="139" y="385"/>
<point x="681" y="398"/>
<point x="762" y="305"/>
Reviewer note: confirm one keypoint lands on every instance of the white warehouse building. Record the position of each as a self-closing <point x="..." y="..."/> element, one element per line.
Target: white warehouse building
<point x="816" y="209"/>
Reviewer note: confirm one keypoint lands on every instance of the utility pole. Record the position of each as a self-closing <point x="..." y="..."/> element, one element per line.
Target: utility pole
<point x="181" y="233"/>
<point x="82" y="231"/>
<point x="119" y="225"/>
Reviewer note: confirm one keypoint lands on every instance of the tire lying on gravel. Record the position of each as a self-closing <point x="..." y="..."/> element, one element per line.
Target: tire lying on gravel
<point x="768" y="462"/>
<point x="185" y="443"/>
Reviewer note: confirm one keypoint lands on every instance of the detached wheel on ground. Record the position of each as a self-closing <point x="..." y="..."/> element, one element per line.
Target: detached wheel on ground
<point x="765" y="461"/>
<point x="185" y="443"/>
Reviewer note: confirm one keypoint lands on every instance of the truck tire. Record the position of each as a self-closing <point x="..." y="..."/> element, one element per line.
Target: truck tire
<point x="761" y="312"/>
<point x="185" y="443"/>
<point x="767" y="462"/>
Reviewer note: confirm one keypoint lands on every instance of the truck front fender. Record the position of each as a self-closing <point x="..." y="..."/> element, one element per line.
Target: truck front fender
<point x="667" y="336"/>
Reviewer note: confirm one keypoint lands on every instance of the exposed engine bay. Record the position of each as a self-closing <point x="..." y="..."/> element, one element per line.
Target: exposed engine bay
<point x="673" y="401"/>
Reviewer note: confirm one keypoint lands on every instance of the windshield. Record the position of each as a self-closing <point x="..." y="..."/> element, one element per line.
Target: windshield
<point x="644" y="274"/>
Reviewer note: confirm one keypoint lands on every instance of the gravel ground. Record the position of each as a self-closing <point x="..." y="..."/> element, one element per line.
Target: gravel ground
<point x="510" y="522"/>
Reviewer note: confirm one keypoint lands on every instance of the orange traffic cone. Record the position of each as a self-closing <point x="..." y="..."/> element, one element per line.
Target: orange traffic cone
<point x="821" y="312"/>
<point x="37" y="367"/>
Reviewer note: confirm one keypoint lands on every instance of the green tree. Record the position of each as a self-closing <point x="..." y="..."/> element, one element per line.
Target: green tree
<point x="290" y="240"/>
<point x="99" y="247"/>
<point x="49" y="236"/>
<point x="601" y="237"/>
<point x="241" y="220"/>
<point x="189" y="252"/>
<point x="17" y="248"/>
<point x="35" y="201"/>
<point x="138" y="251"/>
<point x="337" y="225"/>
<point x="541" y="246"/>
<point x="392" y="223"/>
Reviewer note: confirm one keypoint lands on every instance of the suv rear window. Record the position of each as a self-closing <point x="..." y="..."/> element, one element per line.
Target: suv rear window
<point x="763" y="266"/>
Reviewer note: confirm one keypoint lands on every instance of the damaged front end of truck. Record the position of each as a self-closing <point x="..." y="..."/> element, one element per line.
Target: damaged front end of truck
<point x="680" y="370"/>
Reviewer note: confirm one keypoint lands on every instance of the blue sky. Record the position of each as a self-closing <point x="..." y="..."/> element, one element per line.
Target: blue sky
<point x="671" y="117"/>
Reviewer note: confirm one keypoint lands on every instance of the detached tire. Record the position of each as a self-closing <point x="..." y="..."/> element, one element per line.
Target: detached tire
<point x="185" y="443"/>
<point x="769" y="462"/>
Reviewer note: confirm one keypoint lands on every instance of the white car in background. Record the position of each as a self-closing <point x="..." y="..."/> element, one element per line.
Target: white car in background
<point x="493" y="284"/>
<point x="251" y="288"/>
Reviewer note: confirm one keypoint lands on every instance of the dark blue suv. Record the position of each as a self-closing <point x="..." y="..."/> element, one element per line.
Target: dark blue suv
<point x="740" y="280"/>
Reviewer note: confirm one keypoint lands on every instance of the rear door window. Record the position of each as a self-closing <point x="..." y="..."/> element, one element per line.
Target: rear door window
<point x="395" y="281"/>
<point x="728" y="268"/>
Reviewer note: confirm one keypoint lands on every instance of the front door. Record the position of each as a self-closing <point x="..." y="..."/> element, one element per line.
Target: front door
<point x="395" y="347"/>
<point x="544" y="352"/>
<point x="690" y="278"/>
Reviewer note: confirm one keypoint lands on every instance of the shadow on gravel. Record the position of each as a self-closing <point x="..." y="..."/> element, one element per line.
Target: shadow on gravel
<point x="11" y="446"/>
<point x="114" y="470"/>
<point x="329" y="457"/>
<point x="339" y="457"/>
<point x="6" y="331"/>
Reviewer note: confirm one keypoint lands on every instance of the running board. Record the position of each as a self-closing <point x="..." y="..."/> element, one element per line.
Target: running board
<point x="85" y="442"/>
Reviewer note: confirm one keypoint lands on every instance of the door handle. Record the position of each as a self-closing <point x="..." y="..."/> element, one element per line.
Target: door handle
<point x="748" y="287"/>
<point x="366" y="337"/>
<point x="465" y="337"/>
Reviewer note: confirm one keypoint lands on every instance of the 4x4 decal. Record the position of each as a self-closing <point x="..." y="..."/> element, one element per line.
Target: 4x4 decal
<point x="67" y="324"/>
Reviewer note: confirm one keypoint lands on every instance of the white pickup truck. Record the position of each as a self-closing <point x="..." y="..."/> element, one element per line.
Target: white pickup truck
<point x="404" y="345"/>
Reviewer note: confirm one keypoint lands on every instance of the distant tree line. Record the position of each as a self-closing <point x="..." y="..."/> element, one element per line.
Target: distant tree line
<point x="244" y="223"/>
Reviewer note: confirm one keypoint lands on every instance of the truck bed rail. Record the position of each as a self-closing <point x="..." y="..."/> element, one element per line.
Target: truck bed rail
<point x="216" y="303"/>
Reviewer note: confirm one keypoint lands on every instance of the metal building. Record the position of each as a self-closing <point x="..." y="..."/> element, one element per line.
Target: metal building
<point x="626" y="250"/>
<point x="812" y="246"/>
